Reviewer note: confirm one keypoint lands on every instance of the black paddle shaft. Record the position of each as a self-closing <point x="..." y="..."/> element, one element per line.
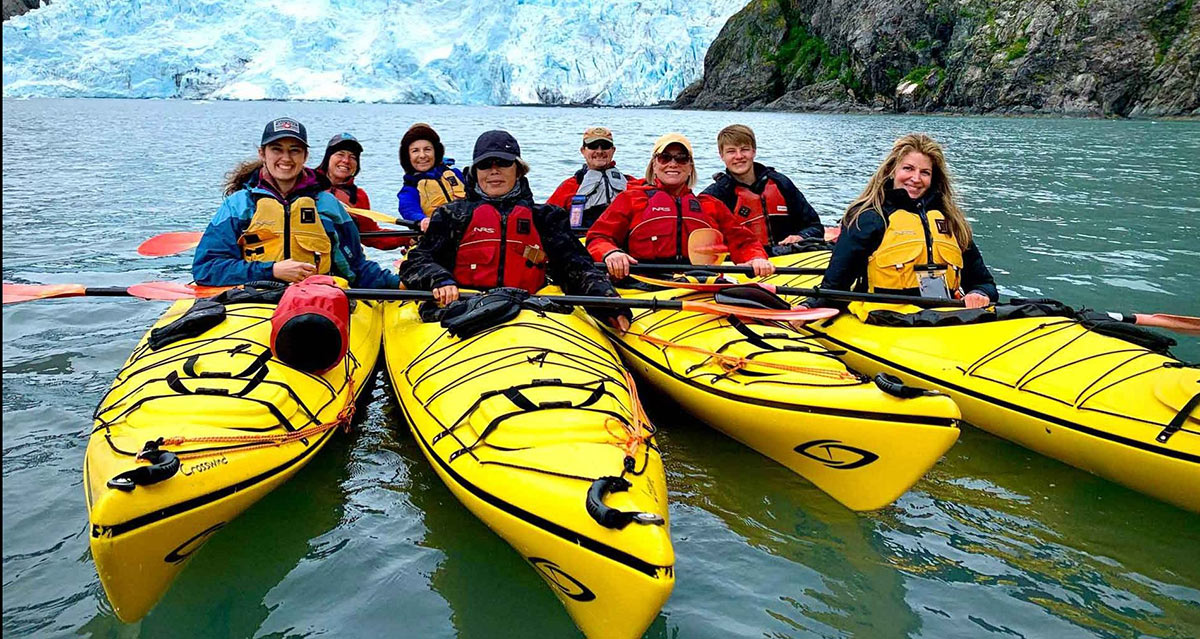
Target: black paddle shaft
<point x="570" y="300"/>
<point x="719" y="268"/>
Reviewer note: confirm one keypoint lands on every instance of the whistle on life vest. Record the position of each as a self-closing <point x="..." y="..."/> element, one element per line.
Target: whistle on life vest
<point x="310" y="327"/>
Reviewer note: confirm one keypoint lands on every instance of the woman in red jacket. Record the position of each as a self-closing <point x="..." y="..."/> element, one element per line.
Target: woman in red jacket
<point x="652" y="221"/>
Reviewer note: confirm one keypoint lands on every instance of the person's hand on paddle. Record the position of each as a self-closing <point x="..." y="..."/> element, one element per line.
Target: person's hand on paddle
<point x="443" y="295"/>
<point x="618" y="263"/>
<point x="292" y="270"/>
<point x="761" y="265"/>
<point x="976" y="300"/>
<point x="424" y="224"/>
<point x="791" y="239"/>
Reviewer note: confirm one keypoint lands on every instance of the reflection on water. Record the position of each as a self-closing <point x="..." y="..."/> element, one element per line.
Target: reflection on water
<point x="367" y="541"/>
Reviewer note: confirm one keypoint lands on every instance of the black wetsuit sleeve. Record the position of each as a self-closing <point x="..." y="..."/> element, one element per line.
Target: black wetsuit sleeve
<point x="848" y="264"/>
<point x="570" y="266"/>
<point x="429" y="263"/>
<point x="802" y="217"/>
<point x="976" y="278"/>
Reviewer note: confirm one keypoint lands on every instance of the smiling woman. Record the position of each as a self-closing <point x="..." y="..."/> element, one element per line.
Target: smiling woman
<point x="279" y="222"/>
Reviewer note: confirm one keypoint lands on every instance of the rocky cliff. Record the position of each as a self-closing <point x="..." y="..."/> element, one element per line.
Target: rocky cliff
<point x="1068" y="57"/>
<point x="20" y="7"/>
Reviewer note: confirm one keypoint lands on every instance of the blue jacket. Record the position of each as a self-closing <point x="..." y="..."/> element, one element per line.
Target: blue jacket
<point x="219" y="262"/>
<point x="409" y="196"/>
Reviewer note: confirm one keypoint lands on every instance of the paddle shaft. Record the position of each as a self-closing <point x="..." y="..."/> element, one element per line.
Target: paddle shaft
<point x="594" y="301"/>
<point x="747" y="270"/>
<point x="855" y="296"/>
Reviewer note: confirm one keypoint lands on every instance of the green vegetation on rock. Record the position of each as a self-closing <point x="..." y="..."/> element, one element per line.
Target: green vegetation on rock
<point x="1166" y="25"/>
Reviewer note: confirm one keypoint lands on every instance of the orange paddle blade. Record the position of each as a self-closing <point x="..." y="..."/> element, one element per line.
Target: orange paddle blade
<point x="170" y="243"/>
<point x="832" y="233"/>
<point x="162" y="291"/>
<point x="14" y="293"/>
<point x="706" y="247"/>
<point x="804" y="314"/>
<point x="1179" y="323"/>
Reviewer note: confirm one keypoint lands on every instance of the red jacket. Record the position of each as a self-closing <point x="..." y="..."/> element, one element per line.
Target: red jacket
<point x="611" y="232"/>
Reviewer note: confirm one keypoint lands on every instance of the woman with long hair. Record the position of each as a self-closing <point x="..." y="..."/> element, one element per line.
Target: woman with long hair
<point x="279" y="221"/>
<point x="905" y="234"/>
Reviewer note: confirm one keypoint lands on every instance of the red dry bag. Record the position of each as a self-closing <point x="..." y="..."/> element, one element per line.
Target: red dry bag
<point x="310" y="327"/>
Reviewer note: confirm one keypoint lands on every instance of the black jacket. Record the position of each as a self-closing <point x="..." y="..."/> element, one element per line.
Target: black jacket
<point x="847" y="269"/>
<point x="430" y="263"/>
<point x="801" y="220"/>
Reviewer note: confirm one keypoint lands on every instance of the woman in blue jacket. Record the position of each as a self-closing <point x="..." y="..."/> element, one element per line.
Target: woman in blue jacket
<point x="429" y="179"/>
<point x="280" y="222"/>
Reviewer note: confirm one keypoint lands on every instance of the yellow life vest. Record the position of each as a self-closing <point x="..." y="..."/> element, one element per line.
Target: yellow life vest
<point x="276" y="234"/>
<point x="443" y="190"/>
<point x="908" y="244"/>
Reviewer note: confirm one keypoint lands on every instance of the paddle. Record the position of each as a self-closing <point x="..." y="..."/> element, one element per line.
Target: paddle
<point x="1179" y="323"/>
<point x="14" y="293"/>
<point x="384" y="217"/>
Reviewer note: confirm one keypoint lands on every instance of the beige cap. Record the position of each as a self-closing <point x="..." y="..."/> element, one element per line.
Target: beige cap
<point x="597" y="133"/>
<point x="669" y="139"/>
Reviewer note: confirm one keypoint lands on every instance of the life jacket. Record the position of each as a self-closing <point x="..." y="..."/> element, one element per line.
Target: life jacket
<point x="281" y="232"/>
<point x="760" y="213"/>
<point x="501" y="250"/>
<point x="436" y="191"/>
<point x="909" y="242"/>
<point x="659" y="231"/>
<point x="351" y="195"/>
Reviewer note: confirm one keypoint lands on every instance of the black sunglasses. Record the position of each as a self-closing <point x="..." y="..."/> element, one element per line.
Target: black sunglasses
<point x="599" y="145"/>
<point x="488" y="164"/>
<point x="680" y="158"/>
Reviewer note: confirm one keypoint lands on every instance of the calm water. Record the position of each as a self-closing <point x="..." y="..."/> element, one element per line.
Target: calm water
<point x="366" y="541"/>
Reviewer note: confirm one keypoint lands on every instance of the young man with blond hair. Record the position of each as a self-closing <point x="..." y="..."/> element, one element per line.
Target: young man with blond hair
<point x="764" y="200"/>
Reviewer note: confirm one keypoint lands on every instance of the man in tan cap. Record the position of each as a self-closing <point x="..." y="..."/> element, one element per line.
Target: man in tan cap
<point x="586" y="194"/>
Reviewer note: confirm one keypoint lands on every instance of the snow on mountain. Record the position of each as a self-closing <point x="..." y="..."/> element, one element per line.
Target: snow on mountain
<point x="614" y="52"/>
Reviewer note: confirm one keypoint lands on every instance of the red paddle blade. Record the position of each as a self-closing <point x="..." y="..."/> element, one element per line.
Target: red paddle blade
<point x="706" y="247"/>
<point x="802" y="314"/>
<point x="162" y="291"/>
<point x="832" y="233"/>
<point x="170" y="243"/>
<point x="15" y="293"/>
<point x="1179" y="323"/>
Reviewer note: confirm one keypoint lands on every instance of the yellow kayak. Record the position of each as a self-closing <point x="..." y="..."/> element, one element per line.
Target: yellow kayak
<point x="234" y="425"/>
<point x="1096" y="402"/>
<point x="535" y="427"/>
<point x="780" y="393"/>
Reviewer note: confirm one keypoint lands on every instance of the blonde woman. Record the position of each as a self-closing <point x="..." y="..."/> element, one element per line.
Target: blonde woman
<point x="905" y="233"/>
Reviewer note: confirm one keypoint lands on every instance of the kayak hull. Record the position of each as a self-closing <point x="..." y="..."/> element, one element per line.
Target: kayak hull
<point x="518" y="422"/>
<point x="1047" y="383"/>
<point x="791" y="400"/>
<point x="200" y="394"/>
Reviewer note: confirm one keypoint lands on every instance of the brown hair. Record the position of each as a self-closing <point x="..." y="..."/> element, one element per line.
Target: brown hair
<point x="736" y="135"/>
<point x="872" y="197"/>
<point x="236" y="179"/>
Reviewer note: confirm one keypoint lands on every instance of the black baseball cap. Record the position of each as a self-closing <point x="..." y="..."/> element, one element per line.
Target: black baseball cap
<point x="344" y="141"/>
<point x="280" y="128"/>
<point x="496" y="144"/>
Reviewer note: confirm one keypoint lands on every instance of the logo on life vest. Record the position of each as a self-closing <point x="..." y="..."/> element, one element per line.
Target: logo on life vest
<point x="483" y="229"/>
<point x="523" y="226"/>
<point x="694" y="205"/>
<point x="660" y="209"/>
<point x="743" y="211"/>
<point x="943" y="226"/>
<point x="308" y="215"/>
<point x="781" y="208"/>
<point x="451" y="180"/>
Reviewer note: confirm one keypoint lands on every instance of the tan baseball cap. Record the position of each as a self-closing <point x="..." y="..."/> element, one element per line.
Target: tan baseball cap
<point x="672" y="138"/>
<point x="597" y="133"/>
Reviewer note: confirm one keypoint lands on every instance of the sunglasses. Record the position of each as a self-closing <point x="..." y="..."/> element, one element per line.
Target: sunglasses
<point x="599" y="145"/>
<point x="678" y="158"/>
<point x="490" y="163"/>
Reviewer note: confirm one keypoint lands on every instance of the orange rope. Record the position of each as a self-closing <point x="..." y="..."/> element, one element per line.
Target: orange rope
<point x="736" y="363"/>
<point x="267" y="440"/>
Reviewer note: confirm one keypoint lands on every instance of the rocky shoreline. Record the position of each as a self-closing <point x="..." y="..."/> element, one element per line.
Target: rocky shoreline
<point x="1083" y="58"/>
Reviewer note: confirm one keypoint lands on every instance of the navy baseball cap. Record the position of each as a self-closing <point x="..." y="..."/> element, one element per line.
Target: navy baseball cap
<point x="280" y="128"/>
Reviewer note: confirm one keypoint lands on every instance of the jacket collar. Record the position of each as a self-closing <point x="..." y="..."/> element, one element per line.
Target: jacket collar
<point x="309" y="183"/>
<point x="520" y="193"/>
<point x="898" y="199"/>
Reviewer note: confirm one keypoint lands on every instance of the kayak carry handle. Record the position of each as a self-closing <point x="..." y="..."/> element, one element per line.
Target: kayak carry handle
<point x="893" y="385"/>
<point x="163" y="465"/>
<point x="611" y="517"/>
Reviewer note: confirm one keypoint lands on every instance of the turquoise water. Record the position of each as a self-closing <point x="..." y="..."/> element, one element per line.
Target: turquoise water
<point x="995" y="542"/>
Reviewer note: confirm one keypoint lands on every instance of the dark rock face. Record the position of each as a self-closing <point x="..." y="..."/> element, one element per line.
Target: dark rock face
<point x="20" y="7"/>
<point x="1067" y="57"/>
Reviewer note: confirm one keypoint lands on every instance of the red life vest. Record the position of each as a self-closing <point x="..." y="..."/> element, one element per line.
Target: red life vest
<point x="659" y="231"/>
<point x="501" y="250"/>
<point x="756" y="212"/>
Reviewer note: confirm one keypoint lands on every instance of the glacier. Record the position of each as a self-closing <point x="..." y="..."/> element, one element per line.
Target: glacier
<point x="614" y="52"/>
